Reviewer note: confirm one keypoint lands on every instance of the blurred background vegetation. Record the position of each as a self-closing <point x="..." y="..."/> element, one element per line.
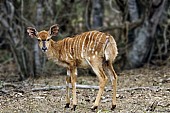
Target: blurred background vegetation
<point x="141" y="29"/>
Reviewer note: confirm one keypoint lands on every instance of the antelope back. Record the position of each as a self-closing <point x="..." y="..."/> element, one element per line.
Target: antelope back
<point x="88" y="44"/>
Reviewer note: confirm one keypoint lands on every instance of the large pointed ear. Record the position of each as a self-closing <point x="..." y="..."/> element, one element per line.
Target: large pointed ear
<point x="53" y="31"/>
<point x="32" y="32"/>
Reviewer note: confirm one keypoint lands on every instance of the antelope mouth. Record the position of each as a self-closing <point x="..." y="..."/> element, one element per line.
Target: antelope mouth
<point x="44" y="49"/>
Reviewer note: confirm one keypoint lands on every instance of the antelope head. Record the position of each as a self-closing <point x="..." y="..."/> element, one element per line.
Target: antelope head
<point x="43" y="37"/>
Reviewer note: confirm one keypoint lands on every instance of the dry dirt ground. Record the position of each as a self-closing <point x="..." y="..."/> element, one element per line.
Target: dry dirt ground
<point x="143" y="90"/>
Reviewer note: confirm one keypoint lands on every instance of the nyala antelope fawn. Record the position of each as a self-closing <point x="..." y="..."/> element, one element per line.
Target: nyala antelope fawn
<point x="95" y="49"/>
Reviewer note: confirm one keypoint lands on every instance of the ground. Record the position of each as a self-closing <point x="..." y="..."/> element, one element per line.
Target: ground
<point x="142" y="90"/>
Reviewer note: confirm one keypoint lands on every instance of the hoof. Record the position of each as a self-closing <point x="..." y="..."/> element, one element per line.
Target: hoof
<point x="67" y="105"/>
<point x="74" y="107"/>
<point x="113" y="107"/>
<point x="93" y="108"/>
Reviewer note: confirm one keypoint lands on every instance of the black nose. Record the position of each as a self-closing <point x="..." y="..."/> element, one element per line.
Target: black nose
<point x="44" y="48"/>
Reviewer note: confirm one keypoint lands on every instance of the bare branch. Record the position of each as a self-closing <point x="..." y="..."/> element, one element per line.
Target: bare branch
<point x="9" y="85"/>
<point x="79" y="86"/>
<point x="113" y="9"/>
<point x="87" y="15"/>
<point x="165" y="40"/>
<point x="6" y="61"/>
<point x="47" y="88"/>
<point x="152" y="106"/>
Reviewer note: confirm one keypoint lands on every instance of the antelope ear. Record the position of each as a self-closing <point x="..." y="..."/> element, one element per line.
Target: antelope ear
<point x="32" y="32"/>
<point x="53" y="31"/>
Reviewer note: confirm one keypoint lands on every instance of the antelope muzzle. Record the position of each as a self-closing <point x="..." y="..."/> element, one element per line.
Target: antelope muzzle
<point x="44" y="48"/>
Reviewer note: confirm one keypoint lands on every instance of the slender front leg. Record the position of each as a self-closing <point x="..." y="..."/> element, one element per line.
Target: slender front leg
<point x="73" y="83"/>
<point x="68" y="81"/>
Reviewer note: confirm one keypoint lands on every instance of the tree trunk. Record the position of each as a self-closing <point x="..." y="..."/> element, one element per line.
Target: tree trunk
<point x="144" y="35"/>
<point x="133" y="10"/>
<point x="14" y="37"/>
<point x="97" y="13"/>
<point x="39" y="17"/>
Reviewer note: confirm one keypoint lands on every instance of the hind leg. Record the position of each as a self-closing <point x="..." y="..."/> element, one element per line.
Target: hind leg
<point x="98" y="69"/>
<point x="113" y="76"/>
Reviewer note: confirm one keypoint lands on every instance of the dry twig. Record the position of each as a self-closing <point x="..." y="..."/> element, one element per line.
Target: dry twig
<point x="47" y="88"/>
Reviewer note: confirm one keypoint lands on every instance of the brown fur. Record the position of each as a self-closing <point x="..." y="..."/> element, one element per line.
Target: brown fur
<point x="90" y="49"/>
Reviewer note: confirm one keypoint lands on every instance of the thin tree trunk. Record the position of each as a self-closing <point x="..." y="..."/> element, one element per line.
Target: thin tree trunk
<point x="133" y="10"/>
<point x="36" y="47"/>
<point x="97" y="13"/>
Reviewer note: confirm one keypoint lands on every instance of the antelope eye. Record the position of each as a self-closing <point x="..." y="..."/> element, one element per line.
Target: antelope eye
<point x="38" y="40"/>
<point x="48" y="39"/>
